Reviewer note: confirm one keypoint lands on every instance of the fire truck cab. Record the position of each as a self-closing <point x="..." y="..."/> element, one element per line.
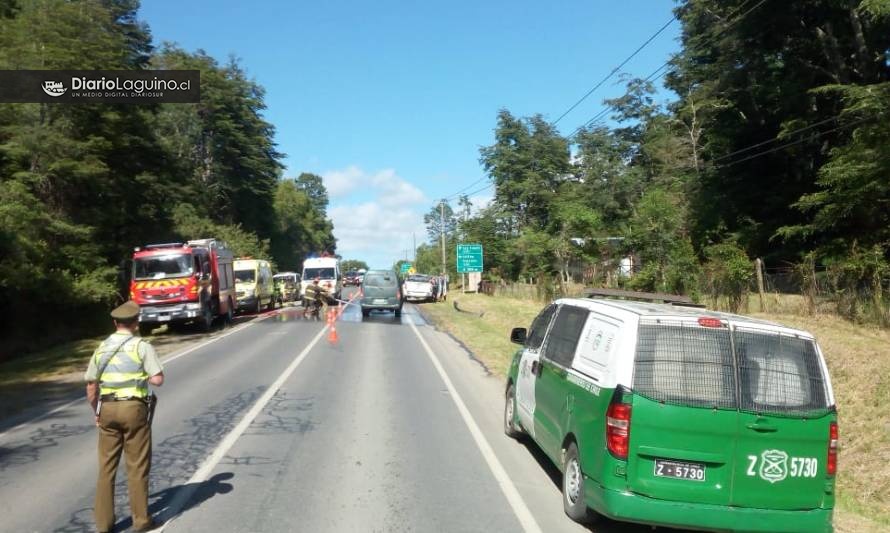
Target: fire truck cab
<point x="178" y="283"/>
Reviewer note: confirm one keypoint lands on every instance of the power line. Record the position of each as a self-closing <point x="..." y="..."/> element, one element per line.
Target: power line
<point x="605" y="111"/>
<point x="776" y="138"/>
<point x="655" y="74"/>
<point x="614" y="70"/>
<point x="796" y="142"/>
<point x="458" y="193"/>
<point x="591" y="91"/>
<point x="477" y="191"/>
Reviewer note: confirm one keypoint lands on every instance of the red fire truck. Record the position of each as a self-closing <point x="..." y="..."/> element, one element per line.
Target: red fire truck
<point x="178" y="283"/>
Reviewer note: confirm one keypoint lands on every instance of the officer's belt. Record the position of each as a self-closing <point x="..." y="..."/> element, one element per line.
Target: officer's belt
<point x="114" y="398"/>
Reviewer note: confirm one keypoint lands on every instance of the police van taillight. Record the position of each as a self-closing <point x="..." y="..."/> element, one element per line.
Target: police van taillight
<point x="832" y="449"/>
<point x="618" y="425"/>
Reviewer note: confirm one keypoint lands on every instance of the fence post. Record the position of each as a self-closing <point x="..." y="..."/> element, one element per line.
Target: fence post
<point x="758" y="264"/>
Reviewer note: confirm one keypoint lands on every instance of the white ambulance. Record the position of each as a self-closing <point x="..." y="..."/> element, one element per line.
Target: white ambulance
<point x="327" y="270"/>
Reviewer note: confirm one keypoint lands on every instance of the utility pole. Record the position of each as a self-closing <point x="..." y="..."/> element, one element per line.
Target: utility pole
<point x="442" y="233"/>
<point x="414" y="238"/>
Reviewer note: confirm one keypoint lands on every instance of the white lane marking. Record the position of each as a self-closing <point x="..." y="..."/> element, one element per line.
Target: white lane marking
<point x="523" y="514"/>
<point x="183" y="495"/>
<point x="173" y="357"/>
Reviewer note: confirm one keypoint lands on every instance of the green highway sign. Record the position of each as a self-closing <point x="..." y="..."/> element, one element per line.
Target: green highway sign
<point x="405" y="268"/>
<point x="469" y="258"/>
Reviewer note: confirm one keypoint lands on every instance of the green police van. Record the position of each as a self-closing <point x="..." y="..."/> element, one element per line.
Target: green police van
<point x="678" y="416"/>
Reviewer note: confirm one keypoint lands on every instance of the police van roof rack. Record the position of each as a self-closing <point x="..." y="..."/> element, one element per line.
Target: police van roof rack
<point x="658" y="297"/>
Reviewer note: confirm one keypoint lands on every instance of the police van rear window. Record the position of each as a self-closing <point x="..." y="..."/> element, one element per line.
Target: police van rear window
<point x="683" y="363"/>
<point x="780" y="374"/>
<point x="380" y="280"/>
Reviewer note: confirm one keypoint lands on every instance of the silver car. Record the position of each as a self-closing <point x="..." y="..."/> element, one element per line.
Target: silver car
<point x="380" y="290"/>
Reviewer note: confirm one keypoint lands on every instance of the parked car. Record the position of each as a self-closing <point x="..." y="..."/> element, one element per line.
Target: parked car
<point x="289" y="285"/>
<point x="678" y="416"/>
<point x="381" y="291"/>
<point x="420" y="287"/>
<point x="350" y="278"/>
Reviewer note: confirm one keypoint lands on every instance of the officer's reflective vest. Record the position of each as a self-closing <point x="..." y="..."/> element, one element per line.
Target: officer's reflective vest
<point x="125" y="375"/>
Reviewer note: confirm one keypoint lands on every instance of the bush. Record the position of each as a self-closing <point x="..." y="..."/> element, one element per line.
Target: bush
<point x="857" y="283"/>
<point x="728" y="272"/>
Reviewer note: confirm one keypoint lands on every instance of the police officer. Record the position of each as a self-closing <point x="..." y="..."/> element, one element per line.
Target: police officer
<point x="118" y="376"/>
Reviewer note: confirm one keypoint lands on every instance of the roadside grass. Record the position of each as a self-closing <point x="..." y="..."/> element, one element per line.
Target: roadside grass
<point x="858" y="359"/>
<point x="487" y="337"/>
<point x="48" y="364"/>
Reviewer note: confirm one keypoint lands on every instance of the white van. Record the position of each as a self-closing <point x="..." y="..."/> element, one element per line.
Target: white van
<point x="327" y="270"/>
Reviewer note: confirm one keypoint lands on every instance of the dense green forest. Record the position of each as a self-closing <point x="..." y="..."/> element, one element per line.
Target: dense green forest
<point x="81" y="185"/>
<point x="776" y="146"/>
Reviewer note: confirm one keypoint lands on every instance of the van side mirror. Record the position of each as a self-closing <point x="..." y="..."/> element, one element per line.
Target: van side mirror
<point x="518" y="335"/>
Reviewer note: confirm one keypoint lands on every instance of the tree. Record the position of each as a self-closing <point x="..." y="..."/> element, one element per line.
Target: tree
<point x="527" y="163"/>
<point x="353" y="264"/>
<point x="300" y="229"/>
<point x="757" y="77"/>
<point x="434" y="218"/>
<point x="313" y="186"/>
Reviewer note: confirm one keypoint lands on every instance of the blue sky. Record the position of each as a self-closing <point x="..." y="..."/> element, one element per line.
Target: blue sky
<point x="390" y="101"/>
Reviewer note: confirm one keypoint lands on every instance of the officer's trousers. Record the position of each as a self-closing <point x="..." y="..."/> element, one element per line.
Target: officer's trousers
<point x="123" y="427"/>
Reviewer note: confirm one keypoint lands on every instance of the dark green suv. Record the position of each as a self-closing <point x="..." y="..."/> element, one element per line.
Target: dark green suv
<point x="381" y="290"/>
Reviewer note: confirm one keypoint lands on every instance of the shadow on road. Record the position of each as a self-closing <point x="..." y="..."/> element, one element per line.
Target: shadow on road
<point x="603" y="525"/>
<point x="163" y="505"/>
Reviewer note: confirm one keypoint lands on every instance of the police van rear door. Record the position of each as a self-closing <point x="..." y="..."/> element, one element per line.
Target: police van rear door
<point x="785" y="422"/>
<point x="684" y="414"/>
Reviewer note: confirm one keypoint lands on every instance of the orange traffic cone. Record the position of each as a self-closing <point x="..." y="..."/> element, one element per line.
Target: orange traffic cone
<point x="332" y="334"/>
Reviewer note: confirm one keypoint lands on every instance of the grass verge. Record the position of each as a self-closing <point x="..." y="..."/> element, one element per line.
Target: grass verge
<point x="857" y="358"/>
<point x="58" y="361"/>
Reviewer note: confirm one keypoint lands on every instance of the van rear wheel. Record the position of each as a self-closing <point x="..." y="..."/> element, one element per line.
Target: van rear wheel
<point x="573" y="488"/>
<point x="511" y="428"/>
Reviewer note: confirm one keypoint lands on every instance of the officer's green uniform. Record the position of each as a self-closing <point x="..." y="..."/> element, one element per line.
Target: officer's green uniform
<point x="123" y="419"/>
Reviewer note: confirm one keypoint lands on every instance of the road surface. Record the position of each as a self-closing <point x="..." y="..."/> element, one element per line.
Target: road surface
<point x="271" y="427"/>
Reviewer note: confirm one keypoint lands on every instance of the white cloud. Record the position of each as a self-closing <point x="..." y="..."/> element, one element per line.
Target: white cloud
<point x="341" y="183"/>
<point x="375" y="214"/>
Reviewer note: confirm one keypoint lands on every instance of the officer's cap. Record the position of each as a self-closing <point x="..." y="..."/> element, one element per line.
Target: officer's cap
<point x="127" y="311"/>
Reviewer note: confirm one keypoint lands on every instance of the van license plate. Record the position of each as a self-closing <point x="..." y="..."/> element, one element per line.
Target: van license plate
<point x="679" y="470"/>
<point x="380" y="301"/>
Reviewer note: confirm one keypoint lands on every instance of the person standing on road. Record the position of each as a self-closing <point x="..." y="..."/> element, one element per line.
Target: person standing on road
<point x="316" y="299"/>
<point x="118" y="376"/>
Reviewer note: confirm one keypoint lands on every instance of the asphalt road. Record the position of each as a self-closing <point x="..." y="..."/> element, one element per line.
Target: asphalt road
<point x="271" y="427"/>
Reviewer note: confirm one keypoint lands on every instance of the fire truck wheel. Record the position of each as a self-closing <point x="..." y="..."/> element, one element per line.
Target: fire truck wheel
<point x="258" y="306"/>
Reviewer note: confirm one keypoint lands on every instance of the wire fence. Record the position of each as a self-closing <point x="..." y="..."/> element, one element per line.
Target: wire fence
<point x="801" y="289"/>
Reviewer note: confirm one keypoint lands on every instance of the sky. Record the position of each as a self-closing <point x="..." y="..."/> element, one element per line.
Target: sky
<point x="390" y="101"/>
